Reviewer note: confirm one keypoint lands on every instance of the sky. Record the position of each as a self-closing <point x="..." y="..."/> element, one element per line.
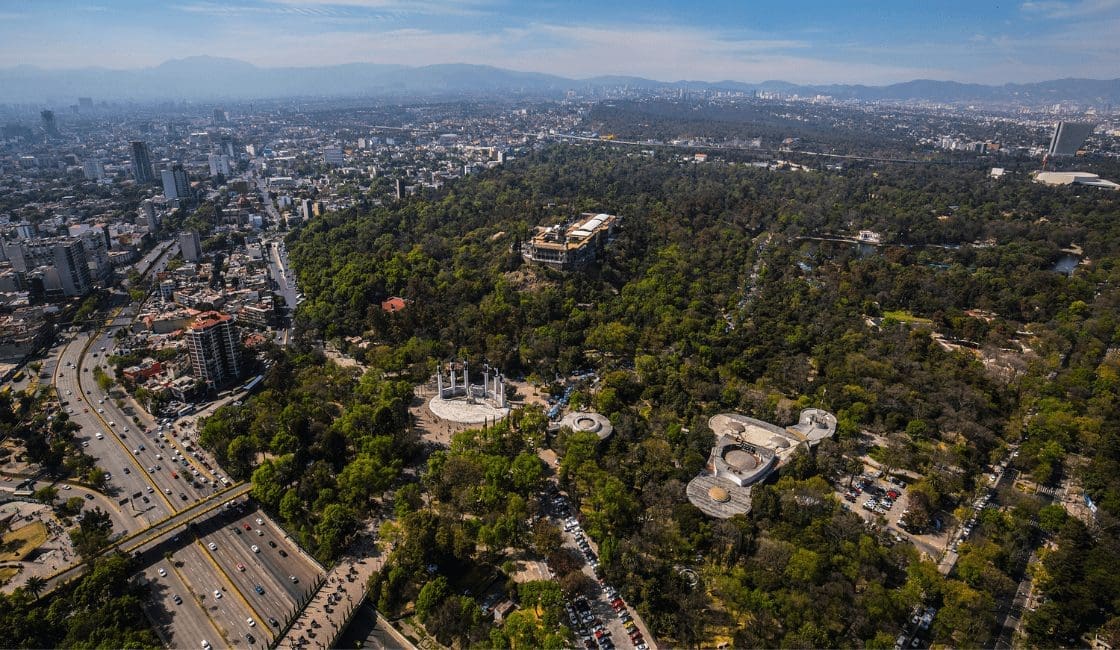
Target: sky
<point x="819" y="41"/>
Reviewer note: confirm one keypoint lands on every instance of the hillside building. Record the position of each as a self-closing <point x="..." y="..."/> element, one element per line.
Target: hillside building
<point x="573" y="246"/>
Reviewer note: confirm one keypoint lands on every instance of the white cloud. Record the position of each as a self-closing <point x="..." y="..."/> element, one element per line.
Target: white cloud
<point x="1070" y="8"/>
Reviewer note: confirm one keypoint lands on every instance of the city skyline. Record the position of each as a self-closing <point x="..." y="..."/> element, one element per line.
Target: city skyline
<point x="812" y="42"/>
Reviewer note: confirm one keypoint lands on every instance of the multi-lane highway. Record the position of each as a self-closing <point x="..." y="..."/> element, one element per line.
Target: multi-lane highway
<point x="208" y="581"/>
<point x="224" y="582"/>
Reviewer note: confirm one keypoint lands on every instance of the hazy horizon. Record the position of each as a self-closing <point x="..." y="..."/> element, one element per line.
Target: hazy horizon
<point x="813" y="42"/>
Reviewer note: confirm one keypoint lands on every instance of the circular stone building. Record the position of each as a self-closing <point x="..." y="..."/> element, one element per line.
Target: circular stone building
<point x="460" y="401"/>
<point x="590" y="422"/>
<point x="745" y="452"/>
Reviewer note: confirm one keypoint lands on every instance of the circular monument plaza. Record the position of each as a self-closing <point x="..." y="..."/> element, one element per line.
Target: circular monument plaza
<point x="457" y="400"/>
<point x="589" y="422"/>
<point x="745" y="452"/>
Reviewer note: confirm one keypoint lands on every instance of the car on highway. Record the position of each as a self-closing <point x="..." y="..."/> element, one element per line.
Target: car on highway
<point x="162" y="572"/>
<point x="212" y="546"/>
<point x="250" y="622"/>
<point x="273" y="622"/>
<point x="259" y="589"/>
<point x="127" y="471"/>
<point x="217" y="593"/>
<point x="260" y="522"/>
<point x="240" y="566"/>
<point x="177" y="599"/>
<point x="293" y="579"/>
<point x="272" y="543"/>
<point x="255" y="548"/>
<point x="248" y="527"/>
<point x="283" y="553"/>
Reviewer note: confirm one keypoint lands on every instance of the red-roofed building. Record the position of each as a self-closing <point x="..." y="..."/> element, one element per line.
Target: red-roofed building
<point x="393" y="304"/>
<point x="215" y="348"/>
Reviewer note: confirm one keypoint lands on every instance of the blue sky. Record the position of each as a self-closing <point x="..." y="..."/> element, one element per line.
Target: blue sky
<point x="844" y="41"/>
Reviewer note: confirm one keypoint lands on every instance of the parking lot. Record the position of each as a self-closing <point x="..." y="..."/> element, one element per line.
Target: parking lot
<point x="605" y="621"/>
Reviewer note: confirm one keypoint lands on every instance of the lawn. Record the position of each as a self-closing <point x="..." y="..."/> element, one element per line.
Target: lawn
<point x="7" y="573"/>
<point x="16" y="544"/>
<point x="903" y="316"/>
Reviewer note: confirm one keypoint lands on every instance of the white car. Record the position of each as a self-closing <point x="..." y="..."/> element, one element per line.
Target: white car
<point x="162" y="572"/>
<point x="250" y="622"/>
<point x="217" y="593"/>
<point x="255" y="548"/>
<point x="212" y="546"/>
<point x="101" y="410"/>
<point x="260" y="522"/>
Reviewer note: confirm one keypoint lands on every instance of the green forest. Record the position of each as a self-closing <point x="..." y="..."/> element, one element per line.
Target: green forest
<point x="724" y="290"/>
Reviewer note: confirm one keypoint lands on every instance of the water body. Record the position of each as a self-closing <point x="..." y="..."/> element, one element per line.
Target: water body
<point x="1066" y="264"/>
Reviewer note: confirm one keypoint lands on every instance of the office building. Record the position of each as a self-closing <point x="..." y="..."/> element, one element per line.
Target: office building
<point x="219" y="164"/>
<point x="93" y="169"/>
<point x="176" y="185"/>
<point x="62" y="260"/>
<point x="220" y="116"/>
<point x="190" y="245"/>
<point x="1068" y="138"/>
<point x="50" y="127"/>
<point x="142" y="162"/>
<point x="214" y="348"/>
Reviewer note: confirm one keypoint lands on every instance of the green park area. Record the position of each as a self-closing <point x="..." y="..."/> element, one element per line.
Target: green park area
<point x="904" y="316"/>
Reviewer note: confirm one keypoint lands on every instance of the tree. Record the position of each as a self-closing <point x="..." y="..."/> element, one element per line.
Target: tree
<point x="431" y="595"/>
<point x="35" y="586"/>
<point x="93" y="532"/>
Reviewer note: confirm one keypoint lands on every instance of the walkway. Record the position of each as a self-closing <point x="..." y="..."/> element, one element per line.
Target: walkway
<point x="323" y="620"/>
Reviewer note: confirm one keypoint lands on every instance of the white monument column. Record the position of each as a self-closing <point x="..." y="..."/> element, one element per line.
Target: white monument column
<point x="466" y="380"/>
<point x="439" y="381"/>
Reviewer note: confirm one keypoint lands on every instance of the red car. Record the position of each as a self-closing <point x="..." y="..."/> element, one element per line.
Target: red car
<point x="248" y="527"/>
<point x="240" y="566"/>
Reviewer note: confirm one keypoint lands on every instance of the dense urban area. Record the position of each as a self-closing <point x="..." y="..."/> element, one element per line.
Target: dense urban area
<point x="628" y="368"/>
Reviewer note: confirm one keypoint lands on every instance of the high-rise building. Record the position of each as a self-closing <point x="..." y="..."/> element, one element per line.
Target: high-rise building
<point x="85" y="102"/>
<point x="214" y="348"/>
<point x="190" y="245"/>
<point x="65" y="256"/>
<point x="93" y="169"/>
<point x="176" y="185"/>
<point x="1068" y="138"/>
<point x="219" y="164"/>
<point x="142" y="162"/>
<point x="220" y="116"/>
<point x="49" y="124"/>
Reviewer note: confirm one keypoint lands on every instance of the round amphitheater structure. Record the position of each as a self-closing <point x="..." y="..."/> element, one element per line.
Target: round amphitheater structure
<point x="589" y="422"/>
<point x="745" y="452"/>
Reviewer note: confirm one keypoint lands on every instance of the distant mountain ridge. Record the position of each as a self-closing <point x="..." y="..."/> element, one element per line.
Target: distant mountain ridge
<point x="210" y="78"/>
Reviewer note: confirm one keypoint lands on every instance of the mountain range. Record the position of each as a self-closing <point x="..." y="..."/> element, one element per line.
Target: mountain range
<point x="209" y="78"/>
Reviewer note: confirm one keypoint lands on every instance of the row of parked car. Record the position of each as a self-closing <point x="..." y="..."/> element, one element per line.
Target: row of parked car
<point x="593" y="630"/>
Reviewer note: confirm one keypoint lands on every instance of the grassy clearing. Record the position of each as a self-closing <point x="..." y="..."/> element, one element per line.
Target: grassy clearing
<point x="903" y="316"/>
<point x="7" y="573"/>
<point x="16" y="544"/>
